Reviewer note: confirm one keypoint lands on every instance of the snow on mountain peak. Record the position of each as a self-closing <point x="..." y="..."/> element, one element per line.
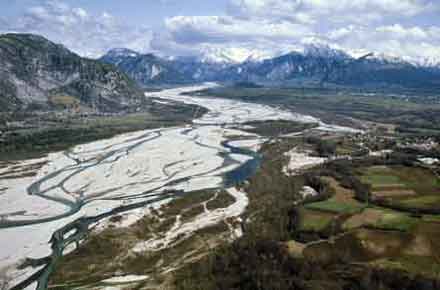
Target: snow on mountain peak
<point x="233" y="55"/>
<point x="323" y="50"/>
<point x="122" y="52"/>
<point x="239" y="55"/>
<point x="429" y="62"/>
<point x="394" y="58"/>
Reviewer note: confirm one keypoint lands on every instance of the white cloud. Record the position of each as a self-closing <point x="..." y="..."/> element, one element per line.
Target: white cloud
<point x="165" y="44"/>
<point x="273" y="8"/>
<point x="84" y="33"/>
<point x="311" y="11"/>
<point x="398" y="31"/>
<point x="341" y="33"/>
<point x="229" y="36"/>
<point x="413" y="43"/>
<point x="400" y="7"/>
<point x="274" y="26"/>
<point x="226" y="29"/>
<point x="81" y="13"/>
<point x="249" y="28"/>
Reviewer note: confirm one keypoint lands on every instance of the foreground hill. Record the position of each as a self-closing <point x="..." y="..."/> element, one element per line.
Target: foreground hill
<point x="35" y="72"/>
<point x="316" y="66"/>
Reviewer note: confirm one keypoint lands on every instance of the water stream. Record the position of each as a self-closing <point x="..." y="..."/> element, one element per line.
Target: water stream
<point x="187" y="145"/>
<point x="76" y="231"/>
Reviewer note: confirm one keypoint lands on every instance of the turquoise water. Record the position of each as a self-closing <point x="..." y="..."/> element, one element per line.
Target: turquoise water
<point x="60" y="242"/>
<point x="246" y="170"/>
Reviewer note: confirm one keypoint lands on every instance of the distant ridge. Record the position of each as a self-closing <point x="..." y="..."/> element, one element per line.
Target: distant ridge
<point x="315" y="66"/>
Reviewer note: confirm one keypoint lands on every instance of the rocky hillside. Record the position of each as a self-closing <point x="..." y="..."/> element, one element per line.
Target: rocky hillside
<point x="35" y="72"/>
<point x="144" y="68"/>
<point x="316" y="66"/>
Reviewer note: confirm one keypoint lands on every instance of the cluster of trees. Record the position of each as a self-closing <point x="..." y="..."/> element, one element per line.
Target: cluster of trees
<point x="272" y="195"/>
<point x="247" y="264"/>
<point x="33" y="144"/>
<point x="325" y="148"/>
<point x="257" y="264"/>
<point x="343" y="171"/>
<point x="277" y="128"/>
<point x="260" y="259"/>
<point x="321" y="186"/>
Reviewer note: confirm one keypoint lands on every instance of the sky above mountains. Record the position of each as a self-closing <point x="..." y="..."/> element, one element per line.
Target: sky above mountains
<point x="233" y="28"/>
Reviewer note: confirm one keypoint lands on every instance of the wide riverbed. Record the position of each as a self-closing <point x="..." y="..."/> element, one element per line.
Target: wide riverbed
<point x="74" y="189"/>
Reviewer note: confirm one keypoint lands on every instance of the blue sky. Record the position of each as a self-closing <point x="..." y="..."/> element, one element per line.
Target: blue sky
<point x="235" y="28"/>
<point x="149" y="12"/>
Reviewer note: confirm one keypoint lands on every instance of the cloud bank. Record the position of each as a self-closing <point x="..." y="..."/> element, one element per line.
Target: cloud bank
<point x="252" y="28"/>
<point x="357" y="26"/>
<point x="85" y="33"/>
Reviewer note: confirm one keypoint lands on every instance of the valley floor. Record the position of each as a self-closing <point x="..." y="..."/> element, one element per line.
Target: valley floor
<point x="50" y="203"/>
<point x="248" y="196"/>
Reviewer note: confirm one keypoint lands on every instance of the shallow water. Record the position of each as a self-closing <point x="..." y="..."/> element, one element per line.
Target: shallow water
<point x="175" y="172"/>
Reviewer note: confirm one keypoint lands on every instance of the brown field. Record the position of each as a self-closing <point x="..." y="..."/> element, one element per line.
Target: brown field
<point x="368" y="217"/>
<point x="390" y="193"/>
<point x="382" y="243"/>
<point x="342" y="194"/>
<point x="64" y="100"/>
<point x="412" y="188"/>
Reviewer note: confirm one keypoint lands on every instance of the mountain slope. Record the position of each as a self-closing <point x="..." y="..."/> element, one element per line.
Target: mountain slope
<point x="372" y="70"/>
<point x="319" y="68"/>
<point x="145" y="69"/>
<point x="316" y="66"/>
<point x="34" y="70"/>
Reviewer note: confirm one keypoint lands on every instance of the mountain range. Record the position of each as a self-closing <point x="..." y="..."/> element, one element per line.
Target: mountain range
<point x="315" y="66"/>
<point x="35" y="72"/>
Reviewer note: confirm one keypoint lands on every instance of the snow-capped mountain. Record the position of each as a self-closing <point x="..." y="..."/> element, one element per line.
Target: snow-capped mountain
<point x="313" y="65"/>
<point x="431" y="62"/>
<point x="122" y="52"/>
<point x="324" y="51"/>
<point x="232" y="55"/>
<point x="118" y="55"/>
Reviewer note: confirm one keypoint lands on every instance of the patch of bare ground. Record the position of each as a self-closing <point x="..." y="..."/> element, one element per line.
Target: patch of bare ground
<point x="342" y="194"/>
<point x="110" y="252"/>
<point x="368" y="217"/>
<point x="392" y="193"/>
<point x="295" y="249"/>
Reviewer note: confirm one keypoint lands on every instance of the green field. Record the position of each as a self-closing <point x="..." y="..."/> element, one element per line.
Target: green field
<point x="342" y="202"/>
<point x="334" y="207"/>
<point x="396" y="221"/>
<point x="422" y="202"/>
<point x="314" y="221"/>
<point x="413" y="188"/>
<point x="377" y="180"/>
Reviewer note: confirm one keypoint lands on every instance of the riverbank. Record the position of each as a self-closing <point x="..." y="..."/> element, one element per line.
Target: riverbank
<point x="95" y="179"/>
<point x="337" y="237"/>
